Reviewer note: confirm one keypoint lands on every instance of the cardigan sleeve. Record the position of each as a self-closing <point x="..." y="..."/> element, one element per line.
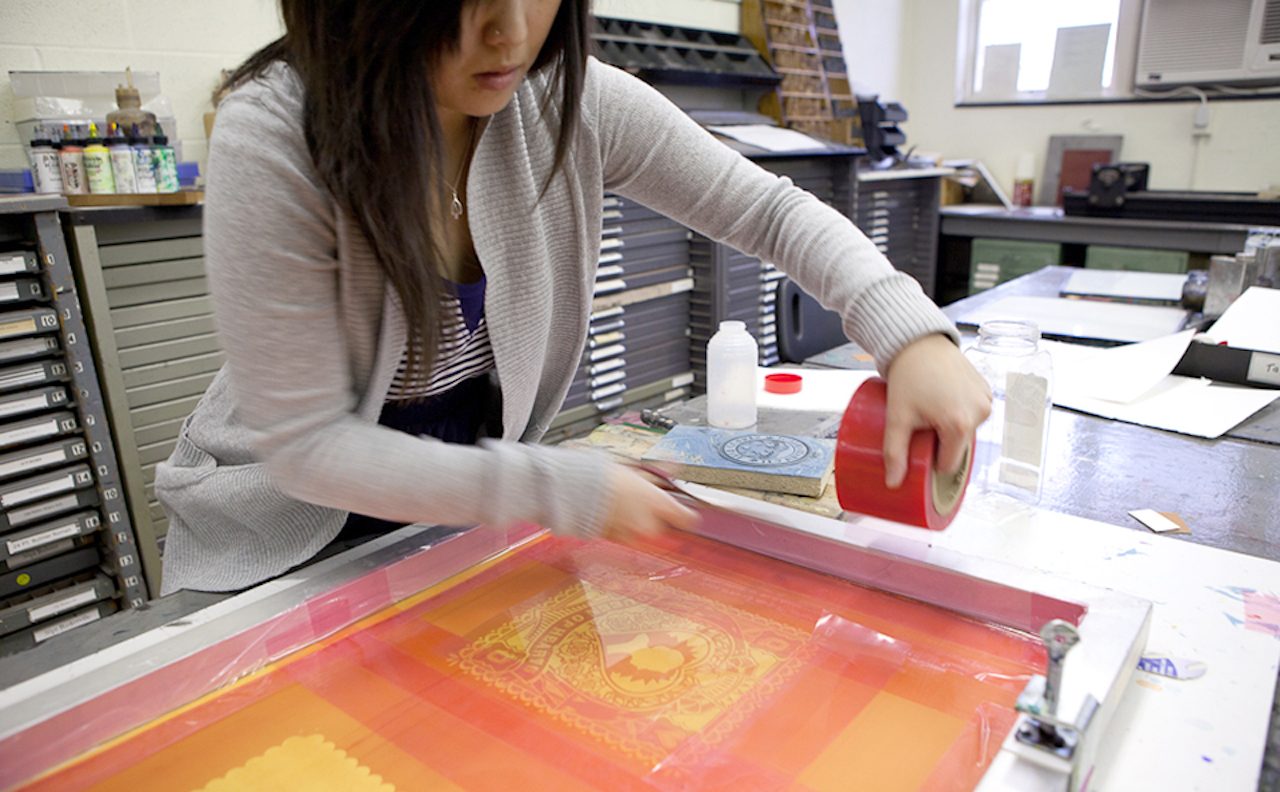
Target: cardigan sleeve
<point x="654" y="153"/>
<point x="272" y="261"/>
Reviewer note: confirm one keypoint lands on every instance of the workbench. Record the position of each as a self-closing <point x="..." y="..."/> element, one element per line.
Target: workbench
<point x="960" y="225"/>
<point x="1211" y="606"/>
<point x="1228" y="490"/>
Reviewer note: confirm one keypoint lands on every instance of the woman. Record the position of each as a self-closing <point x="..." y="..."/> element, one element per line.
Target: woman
<point x="401" y="231"/>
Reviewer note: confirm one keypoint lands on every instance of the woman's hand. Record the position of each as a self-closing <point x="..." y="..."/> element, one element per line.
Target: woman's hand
<point x="638" y="507"/>
<point x="932" y="386"/>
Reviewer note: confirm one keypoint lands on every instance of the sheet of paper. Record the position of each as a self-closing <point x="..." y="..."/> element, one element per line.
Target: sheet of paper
<point x="1163" y="286"/>
<point x="1088" y="319"/>
<point x="1078" y="55"/>
<point x="1123" y="373"/>
<point x="1000" y="64"/>
<point x="1251" y="322"/>
<point x="1178" y="404"/>
<point x="821" y="390"/>
<point x="1160" y="522"/>
<point x="769" y="138"/>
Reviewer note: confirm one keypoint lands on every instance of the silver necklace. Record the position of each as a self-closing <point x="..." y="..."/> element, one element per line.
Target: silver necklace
<point x="455" y="205"/>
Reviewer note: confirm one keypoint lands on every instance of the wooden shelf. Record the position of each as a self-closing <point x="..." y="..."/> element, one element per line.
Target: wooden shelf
<point x="785" y="24"/>
<point x="180" y="198"/>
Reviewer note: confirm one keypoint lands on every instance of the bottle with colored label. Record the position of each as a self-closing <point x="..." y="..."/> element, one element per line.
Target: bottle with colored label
<point x="143" y="170"/>
<point x="97" y="164"/>
<point x="46" y="173"/>
<point x="121" y="161"/>
<point x="71" y="160"/>
<point x="164" y="161"/>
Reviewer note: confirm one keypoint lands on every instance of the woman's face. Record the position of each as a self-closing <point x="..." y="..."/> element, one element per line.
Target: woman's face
<point x="498" y="43"/>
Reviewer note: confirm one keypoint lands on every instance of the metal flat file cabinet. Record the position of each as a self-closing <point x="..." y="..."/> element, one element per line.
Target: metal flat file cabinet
<point x="68" y="551"/>
<point x="143" y="286"/>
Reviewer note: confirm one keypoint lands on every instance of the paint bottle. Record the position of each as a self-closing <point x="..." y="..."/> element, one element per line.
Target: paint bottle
<point x="732" y="355"/>
<point x="1011" y="444"/>
<point x="71" y="160"/>
<point x="164" y="161"/>
<point x="143" y="170"/>
<point x="121" y="161"/>
<point x="97" y="164"/>
<point x="46" y="173"/>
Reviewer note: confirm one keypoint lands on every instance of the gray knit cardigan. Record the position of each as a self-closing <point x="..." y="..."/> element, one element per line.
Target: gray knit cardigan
<point x="286" y="442"/>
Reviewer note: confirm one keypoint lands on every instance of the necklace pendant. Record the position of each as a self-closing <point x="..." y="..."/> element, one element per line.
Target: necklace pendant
<point x="455" y="208"/>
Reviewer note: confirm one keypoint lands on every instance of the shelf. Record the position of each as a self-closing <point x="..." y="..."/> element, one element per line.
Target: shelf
<point x="180" y="198"/>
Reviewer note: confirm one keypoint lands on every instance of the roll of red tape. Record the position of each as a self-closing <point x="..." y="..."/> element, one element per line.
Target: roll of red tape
<point x="927" y="498"/>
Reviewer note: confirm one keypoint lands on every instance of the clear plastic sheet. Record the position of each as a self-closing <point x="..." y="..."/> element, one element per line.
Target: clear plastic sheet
<point x="66" y="712"/>
<point x="673" y="663"/>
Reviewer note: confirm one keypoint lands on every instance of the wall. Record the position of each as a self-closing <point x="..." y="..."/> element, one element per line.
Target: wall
<point x="871" y="34"/>
<point x="722" y="15"/>
<point x="1240" y="153"/>
<point x="188" y="43"/>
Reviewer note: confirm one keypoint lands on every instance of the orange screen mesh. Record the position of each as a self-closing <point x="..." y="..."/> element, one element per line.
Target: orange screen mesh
<point x="673" y="663"/>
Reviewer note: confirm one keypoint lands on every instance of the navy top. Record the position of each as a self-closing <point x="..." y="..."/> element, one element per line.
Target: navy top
<point x="454" y="415"/>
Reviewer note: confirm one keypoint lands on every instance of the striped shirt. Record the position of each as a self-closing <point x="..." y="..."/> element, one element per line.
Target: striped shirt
<point x="464" y="350"/>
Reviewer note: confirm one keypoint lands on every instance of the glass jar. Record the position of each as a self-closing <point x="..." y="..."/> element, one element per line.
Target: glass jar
<point x="1011" y="444"/>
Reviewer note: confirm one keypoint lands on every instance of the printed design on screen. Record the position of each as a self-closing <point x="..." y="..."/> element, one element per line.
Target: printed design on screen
<point x="764" y="450"/>
<point x="639" y="675"/>
<point x="310" y="762"/>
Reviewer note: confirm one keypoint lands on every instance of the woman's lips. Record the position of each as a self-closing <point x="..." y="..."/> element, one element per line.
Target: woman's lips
<point x="498" y="80"/>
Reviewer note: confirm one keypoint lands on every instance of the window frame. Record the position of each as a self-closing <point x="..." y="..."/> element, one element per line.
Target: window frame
<point x="1128" y="29"/>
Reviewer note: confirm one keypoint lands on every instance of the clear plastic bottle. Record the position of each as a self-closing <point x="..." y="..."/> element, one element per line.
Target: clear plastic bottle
<point x="1011" y="448"/>
<point x="732" y="355"/>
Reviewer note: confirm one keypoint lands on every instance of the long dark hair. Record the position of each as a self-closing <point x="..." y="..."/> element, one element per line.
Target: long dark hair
<point x="366" y="102"/>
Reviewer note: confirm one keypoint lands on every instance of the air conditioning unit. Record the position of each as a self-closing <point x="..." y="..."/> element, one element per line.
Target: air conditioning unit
<point x="1208" y="42"/>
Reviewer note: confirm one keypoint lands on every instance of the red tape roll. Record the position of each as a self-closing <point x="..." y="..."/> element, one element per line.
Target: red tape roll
<point x="926" y="498"/>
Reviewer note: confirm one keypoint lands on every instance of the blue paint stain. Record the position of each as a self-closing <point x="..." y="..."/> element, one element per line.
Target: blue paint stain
<point x="1133" y="551"/>
<point x="1234" y="621"/>
<point x="1232" y="592"/>
<point x="1207" y="759"/>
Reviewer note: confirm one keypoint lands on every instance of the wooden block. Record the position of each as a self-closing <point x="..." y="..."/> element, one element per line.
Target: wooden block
<point x="749" y="460"/>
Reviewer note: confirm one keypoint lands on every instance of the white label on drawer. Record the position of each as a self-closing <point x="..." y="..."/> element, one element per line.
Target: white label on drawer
<point x="8" y="291"/>
<point x="63" y="605"/>
<point x="681" y="380"/>
<point x="18" y="326"/>
<point x="37" y="461"/>
<point x="57" y="628"/>
<point x="1264" y="368"/>
<point x="38" y="491"/>
<point x="42" y="429"/>
<point x="22" y="377"/>
<point x="20" y="516"/>
<point x="24" y="405"/>
<point x="44" y="537"/>
<point x="12" y="264"/>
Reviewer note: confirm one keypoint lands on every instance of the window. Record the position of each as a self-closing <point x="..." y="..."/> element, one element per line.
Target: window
<point x="1037" y="50"/>
<point x="1028" y="51"/>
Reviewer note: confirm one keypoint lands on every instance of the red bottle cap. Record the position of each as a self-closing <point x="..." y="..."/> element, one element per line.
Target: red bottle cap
<point x="783" y="383"/>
